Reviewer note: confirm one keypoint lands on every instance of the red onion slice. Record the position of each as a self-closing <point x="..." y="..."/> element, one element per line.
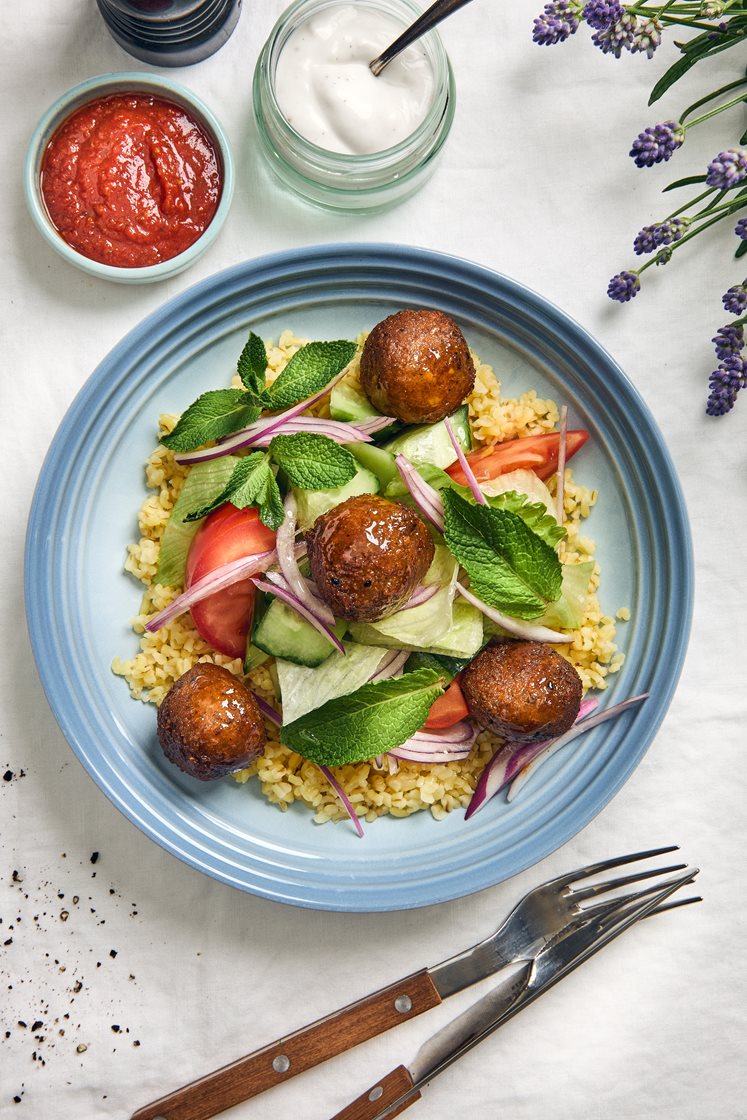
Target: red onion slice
<point x="285" y="543"/>
<point x="245" y="437"/>
<point x="335" y="430"/>
<point x="449" y="745"/>
<point x="425" y="497"/>
<point x="421" y="595"/>
<point x="374" y="424"/>
<point x="468" y="472"/>
<point x="217" y="580"/>
<point x="391" y="666"/>
<point x="531" y="631"/>
<point x="562" y="451"/>
<point x="507" y="762"/>
<point x="282" y="592"/>
<point x="268" y="711"/>
<point x="343" y="798"/>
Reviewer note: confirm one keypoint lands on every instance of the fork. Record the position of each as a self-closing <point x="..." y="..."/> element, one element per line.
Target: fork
<point x="540" y="919"/>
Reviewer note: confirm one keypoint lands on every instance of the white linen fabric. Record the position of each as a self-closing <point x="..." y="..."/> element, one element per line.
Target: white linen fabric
<point x="125" y="977"/>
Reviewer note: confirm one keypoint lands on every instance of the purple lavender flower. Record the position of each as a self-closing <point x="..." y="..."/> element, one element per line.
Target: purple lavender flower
<point x="559" y="19"/>
<point x="601" y="14"/>
<point x="724" y="384"/>
<point x="728" y="342"/>
<point x="646" y="38"/>
<point x="664" y="256"/>
<point x="741" y="229"/>
<point x="727" y="169"/>
<point x="623" y="287"/>
<point x="615" y="37"/>
<point x="657" y="144"/>
<point x="735" y="300"/>
<point x="653" y="237"/>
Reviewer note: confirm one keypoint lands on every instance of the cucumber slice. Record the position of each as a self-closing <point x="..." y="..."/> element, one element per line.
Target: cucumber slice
<point x="430" y="443"/>
<point x="282" y="632"/>
<point x="312" y="503"/>
<point x="348" y="402"/>
<point x="377" y="460"/>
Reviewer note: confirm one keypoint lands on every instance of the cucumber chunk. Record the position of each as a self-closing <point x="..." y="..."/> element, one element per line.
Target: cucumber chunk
<point x="377" y="460"/>
<point x="430" y="443"/>
<point x="282" y="632"/>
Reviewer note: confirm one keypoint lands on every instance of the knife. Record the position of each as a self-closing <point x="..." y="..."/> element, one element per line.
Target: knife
<point x="402" y="1086"/>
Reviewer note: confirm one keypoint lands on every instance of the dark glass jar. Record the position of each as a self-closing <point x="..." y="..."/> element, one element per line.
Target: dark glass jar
<point x="170" y="32"/>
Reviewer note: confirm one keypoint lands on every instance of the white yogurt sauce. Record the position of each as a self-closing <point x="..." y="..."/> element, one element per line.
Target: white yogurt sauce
<point x="327" y="93"/>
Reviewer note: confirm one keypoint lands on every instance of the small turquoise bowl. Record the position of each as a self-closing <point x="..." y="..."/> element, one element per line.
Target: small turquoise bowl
<point x="91" y="90"/>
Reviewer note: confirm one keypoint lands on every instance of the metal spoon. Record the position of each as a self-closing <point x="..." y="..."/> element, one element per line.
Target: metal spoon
<point x="437" y="12"/>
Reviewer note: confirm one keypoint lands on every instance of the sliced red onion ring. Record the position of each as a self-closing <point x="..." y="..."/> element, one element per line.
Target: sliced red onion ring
<point x="245" y="437"/>
<point x="421" y="595"/>
<point x="217" y="580"/>
<point x="285" y="543"/>
<point x="281" y="591"/>
<point x="391" y="666"/>
<point x="468" y="472"/>
<point x="562" y="449"/>
<point x="531" y="631"/>
<point x="449" y="745"/>
<point x="343" y="798"/>
<point x="268" y="711"/>
<point x="374" y="424"/>
<point x="425" y="497"/>
<point x="507" y="762"/>
<point x="336" y="430"/>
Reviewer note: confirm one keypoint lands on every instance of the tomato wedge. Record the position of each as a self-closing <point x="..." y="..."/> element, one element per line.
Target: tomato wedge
<point x="534" y="453"/>
<point x="448" y="709"/>
<point x="225" y="618"/>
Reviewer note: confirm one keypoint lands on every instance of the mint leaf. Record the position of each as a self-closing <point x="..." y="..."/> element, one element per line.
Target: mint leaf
<point x="509" y="566"/>
<point x="252" y="364"/>
<point x="216" y="413"/>
<point x="370" y="721"/>
<point x="252" y="483"/>
<point x="313" y="461"/>
<point x="534" y="514"/>
<point x="204" y="482"/>
<point x="309" y="370"/>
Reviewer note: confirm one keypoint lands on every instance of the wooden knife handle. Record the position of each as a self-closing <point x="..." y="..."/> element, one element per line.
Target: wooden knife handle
<point x="307" y="1047"/>
<point x="370" y="1103"/>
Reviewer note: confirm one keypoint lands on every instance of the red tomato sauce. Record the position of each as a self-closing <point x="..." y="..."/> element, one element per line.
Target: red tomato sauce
<point x="131" y="180"/>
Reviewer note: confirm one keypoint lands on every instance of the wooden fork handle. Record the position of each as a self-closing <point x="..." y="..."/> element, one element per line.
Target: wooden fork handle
<point x="307" y="1047"/>
<point x="370" y="1103"/>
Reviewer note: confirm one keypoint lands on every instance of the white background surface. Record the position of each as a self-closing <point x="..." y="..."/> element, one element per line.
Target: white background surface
<point x="535" y="182"/>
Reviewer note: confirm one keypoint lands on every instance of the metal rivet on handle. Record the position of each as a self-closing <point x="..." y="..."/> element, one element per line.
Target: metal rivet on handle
<point x="376" y="1094"/>
<point x="403" y="1003"/>
<point x="281" y="1064"/>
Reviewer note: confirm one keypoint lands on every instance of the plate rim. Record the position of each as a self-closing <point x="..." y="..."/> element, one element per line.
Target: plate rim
<point x="368" y="253"/>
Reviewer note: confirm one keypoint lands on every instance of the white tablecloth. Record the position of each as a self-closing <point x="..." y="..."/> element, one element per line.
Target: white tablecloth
<point x="125" y="977"/>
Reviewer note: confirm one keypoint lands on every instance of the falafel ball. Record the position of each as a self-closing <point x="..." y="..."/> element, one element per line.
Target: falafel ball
<point x="522" y="690"/>
<point x="367" y="556"/>
<point x="209" y="723"/>
<point x="416" y="365"/>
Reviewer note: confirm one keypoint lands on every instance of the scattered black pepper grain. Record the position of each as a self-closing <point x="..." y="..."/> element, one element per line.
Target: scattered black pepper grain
<point x="94" y="856"/>
<point x="16" y="877"/>
<point x="112" y="952"/>
<point x="136" y="1042"/>
<point x="8" y="942"/>
<point x="8" y="776"/>
<point x="116" y="1028"/>
<point x="16" y="1098"/>
<point x="35" y="1026"/>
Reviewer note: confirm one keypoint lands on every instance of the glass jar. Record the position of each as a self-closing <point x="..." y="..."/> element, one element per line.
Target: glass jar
<point x="342" y="182"/>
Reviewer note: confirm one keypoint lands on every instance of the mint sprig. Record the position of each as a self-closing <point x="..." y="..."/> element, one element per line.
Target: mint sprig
<point x="215" y="414"/>
<point x="509" y="566"/>
<point x="535" y="515"/>
<point x="313" y="461"/>
<point x="374" y="719"/>
<point x="308" y="371"/>
<point x="252" y="364"/>
<point x="252" y="483"/>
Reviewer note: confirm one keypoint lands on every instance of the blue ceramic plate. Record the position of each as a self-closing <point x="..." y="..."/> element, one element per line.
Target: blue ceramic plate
<point x="79" y="600"/>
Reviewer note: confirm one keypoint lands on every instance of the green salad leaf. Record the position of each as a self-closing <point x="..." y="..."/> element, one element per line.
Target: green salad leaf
<point x="372" y="720"/>
<point x="252" y="364"/>
<point x="202" y="485"/>
<point x="252" y="483"/>
<point x="217" y="413"/>
<point x="312" y="461"/>
<point x="534" y="515"/>
<point x="308" y="371"/>
<point x="509" y="566"/>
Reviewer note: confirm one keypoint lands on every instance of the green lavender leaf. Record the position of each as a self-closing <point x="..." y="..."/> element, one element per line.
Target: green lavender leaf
<point x="309" y="370"/>
<point x="696" y="49"/>
<point x="216" y="413"/>
<point x="509" y="566"/>
<point x="312" y="461"/>
<point x="252" y="364"/>
<point x="374" y="719"/>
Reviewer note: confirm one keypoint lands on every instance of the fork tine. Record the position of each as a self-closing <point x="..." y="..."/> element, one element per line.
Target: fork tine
<point x="673" y="905"/>
<point x="623" y="881"/>
<point x="614" y="911"/>
<point x="607" y="864"/>
<point x="600" y="909"/>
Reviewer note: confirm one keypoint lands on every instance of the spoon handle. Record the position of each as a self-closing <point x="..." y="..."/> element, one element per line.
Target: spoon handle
<point x="432" y="16"/>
